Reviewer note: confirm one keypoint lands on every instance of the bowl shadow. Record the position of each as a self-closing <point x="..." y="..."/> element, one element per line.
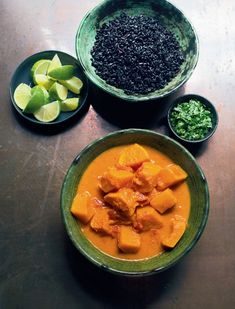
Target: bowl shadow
<point x="110" y="289"/>
<point x="125" y="114"/>
<point x="144" y="115"/>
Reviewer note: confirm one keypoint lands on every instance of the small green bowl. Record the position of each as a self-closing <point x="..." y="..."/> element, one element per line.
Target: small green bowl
<point x="207" y="104"/>
<point x="199" y="202"/>
<point x="170" y="16"/>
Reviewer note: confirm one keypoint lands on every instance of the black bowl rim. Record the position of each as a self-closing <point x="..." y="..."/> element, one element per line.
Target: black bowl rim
<point x="203" y="100"/>
<point x="189" y="248"/>
<point x="144" y="98"/>
<point x="35" y="121"/>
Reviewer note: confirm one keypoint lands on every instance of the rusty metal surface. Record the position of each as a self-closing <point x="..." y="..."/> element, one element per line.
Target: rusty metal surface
<point x="39" y="267"/>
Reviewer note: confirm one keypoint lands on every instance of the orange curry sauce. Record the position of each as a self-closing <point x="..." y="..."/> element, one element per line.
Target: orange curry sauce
<point x="151" y="239"/>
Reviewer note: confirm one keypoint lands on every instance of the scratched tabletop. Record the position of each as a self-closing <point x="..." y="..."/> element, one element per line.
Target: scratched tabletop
<point x="39" y="267"/>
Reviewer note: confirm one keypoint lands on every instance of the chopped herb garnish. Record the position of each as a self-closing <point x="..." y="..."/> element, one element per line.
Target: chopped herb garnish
<point x="191" y="120"/>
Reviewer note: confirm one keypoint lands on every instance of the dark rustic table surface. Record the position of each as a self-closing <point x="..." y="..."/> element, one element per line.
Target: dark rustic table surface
<point x="39" y="267"/>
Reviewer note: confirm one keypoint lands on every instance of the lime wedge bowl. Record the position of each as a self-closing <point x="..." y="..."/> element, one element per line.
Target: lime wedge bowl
<point x="24" y="75"/>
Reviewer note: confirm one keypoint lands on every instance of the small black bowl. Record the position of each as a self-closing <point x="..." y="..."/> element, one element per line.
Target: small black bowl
<point x="22" y="75"/>
<point x="207" y="104"/>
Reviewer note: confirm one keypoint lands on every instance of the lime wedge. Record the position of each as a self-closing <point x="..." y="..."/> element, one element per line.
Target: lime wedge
<point x="63" y="73"/>
<point x="48" y="112"/>
<point x="43" y="80"/>
<point x="36" y="64"/>
<point x="36" y="101"/>
<point x="55" y="63"/>
<point x="22" y="95"/>
<point x="73" y="84"/>
<point x="40" y="67"/>
<point x="69" y="105"/>
<point x="45" y="92"/>
<point x="58" y="92"/>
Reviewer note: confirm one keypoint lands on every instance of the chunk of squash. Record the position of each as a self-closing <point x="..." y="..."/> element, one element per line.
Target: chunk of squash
<point x="178" y="229"/>
<point x="100" y="222"/>
<point x="80" y="207"/>
<point x="147" y="218"/>
<point x="146" y="177"/>
<point x="170" y="175"/>
<point x="180" y="174"/>
<point x="128" y="240"/>
<point x="164" y="200"/>
<point x="124" y="201"/>
<point x="114" y="179"/>
<point x="133" y="156"/>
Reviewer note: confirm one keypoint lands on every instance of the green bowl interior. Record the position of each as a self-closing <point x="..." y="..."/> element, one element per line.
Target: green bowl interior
<point x="173" y="19"/>
<point x="199" y="201"/>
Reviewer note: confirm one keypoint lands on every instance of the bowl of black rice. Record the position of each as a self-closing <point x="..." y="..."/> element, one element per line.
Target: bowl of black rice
<point x="137" y="50"/>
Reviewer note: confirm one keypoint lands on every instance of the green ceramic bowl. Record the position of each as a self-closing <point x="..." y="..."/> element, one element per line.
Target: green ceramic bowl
<point x="199" y="202"/>
<point x="170" y="16"/>
<point x="207" y="104"/>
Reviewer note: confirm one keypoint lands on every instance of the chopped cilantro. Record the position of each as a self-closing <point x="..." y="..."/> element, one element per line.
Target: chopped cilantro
<point x="191" y="120"/>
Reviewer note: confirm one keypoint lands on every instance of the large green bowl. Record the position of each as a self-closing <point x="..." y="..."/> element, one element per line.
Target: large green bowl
<point x="198" y="192"/>
<point x="170" y="16"/>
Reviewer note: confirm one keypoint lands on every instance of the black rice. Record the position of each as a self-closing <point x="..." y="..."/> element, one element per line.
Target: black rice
<point x="136" y="53"/>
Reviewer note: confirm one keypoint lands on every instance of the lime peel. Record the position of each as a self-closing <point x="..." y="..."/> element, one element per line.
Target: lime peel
<point x="36" y="101"/>
<point x="69" y="104"/>
<point x="73" y="84"/>
<point x="55" y="63"/>
<point x="58" y="92"/>
<point x="40" y="67"/>
<point x="22" y="95"/>
<point x="43" y="80"/>
<point x="63" y="72"/>
<point x="48" y="112"/>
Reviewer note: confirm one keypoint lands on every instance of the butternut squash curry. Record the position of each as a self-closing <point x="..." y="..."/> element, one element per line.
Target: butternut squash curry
<point x="133" y="202"/>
